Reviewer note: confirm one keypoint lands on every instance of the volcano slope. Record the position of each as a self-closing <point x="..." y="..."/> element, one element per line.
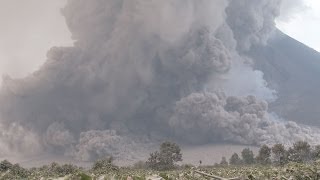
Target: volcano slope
<point x="292" y="69"/>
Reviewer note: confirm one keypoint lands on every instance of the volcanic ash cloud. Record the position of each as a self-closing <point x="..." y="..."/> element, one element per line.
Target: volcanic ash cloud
<point x="141" y="71"/>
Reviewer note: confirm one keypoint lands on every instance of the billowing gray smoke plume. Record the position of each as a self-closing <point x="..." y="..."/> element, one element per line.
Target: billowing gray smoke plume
<point x="142" y="71"/>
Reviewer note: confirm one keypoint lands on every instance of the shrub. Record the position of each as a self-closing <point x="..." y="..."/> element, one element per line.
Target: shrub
<point x="104" y="165"/>
<point x="5" y="166"/>
<point x="18" y="171"/>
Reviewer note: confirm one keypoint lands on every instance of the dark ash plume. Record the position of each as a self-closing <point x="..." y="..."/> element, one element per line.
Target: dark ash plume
<point x="141" y="71"/>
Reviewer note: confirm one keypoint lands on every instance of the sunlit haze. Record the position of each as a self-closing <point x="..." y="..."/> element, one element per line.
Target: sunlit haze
<point x="304" y="25"/>
<point x="28" y="29"/>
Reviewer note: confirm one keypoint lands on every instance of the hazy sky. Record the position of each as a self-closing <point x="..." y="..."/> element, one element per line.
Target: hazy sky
<point x="30" y="27"/>
<point x="304" y="25"/>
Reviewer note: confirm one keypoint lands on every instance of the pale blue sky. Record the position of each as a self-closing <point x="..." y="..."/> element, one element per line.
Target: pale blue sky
<point x="29" y="28"/>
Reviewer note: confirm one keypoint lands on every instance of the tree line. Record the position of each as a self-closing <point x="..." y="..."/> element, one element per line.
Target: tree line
<point x="169" y="154"/>
<point x="278" y="154"/>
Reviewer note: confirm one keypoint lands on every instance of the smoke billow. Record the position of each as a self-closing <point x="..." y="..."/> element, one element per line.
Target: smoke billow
<point x="213" y="117"/>
<point x="252" y="21"/>
<point x="141" y="71"/>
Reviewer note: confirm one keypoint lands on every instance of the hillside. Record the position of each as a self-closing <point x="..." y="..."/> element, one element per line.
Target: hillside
<point x="292" y="69"/>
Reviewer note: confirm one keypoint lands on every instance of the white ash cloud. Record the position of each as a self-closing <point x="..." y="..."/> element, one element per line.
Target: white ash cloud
<point x="57" y="135"/>
<point x="250" y="82"/>
<point x="107" y="143"/>
<point x="136" y="75"/>
<point x="18" y="139"/>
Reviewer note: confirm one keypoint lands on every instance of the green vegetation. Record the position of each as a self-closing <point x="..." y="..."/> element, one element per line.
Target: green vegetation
<point x="301" y="162"/>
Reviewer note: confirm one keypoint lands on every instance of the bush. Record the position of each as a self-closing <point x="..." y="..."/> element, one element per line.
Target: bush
<point x="14" y="171"/>
<point x="56" y="170"/>
<point x="18" y="171"/>
<point x="104" y="165"/>
<point x="83" y="176"/>
<point x="5" y="166"/>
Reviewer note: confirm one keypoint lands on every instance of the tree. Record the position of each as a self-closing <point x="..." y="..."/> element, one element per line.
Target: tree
<point x="154" y="160"/>
<point x="279" y="154"/>
<point x="247" y="156"/>
<point x="301" y="151"/>
<point x="264" y="155"/>
<point x="235" y="159"/>
<point x="223" y="162"/>
<point x="316" y="152"/>
<point x="293" y="155"/>
<point x="165" y="159"/>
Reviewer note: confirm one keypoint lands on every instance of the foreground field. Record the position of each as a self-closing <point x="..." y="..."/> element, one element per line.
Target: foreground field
<point x="300" y="162"/>
<point x="290" y="171"/>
